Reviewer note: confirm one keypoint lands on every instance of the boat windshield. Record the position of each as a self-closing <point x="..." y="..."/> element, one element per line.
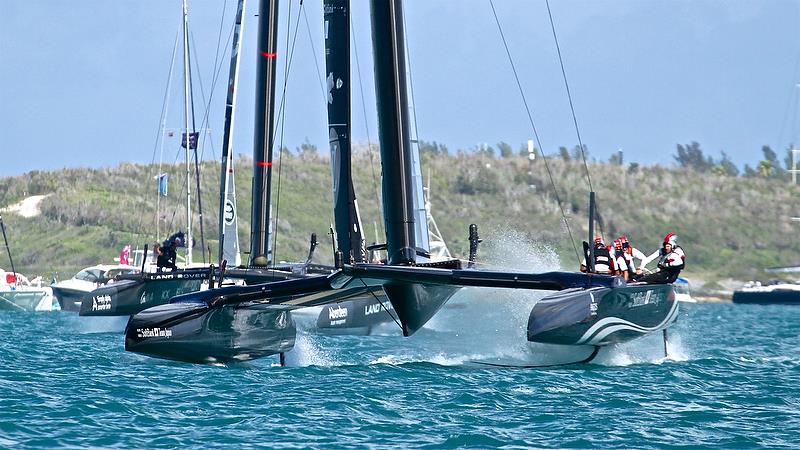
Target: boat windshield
<point x="114" y="272"/>
<point x="92" y="275"/>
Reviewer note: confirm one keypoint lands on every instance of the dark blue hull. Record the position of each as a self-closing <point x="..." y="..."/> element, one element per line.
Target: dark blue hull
<point x="602" y="316"/>
<point x="773" y="297"/>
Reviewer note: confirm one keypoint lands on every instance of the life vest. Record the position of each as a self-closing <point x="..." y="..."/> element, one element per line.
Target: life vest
<point x="602" y="260"/>
<point x="668" y="260"/>
<point x="628" y="258"/>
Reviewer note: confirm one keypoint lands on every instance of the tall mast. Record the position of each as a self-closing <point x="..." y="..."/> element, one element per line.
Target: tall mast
<point x="349" y="236"/>
<point x="413" y="303"/>
<point x="264" y="122"/>
<point x="186" y="98"/>
<point x="228" y="219"/>
<point x="392" y="98"/>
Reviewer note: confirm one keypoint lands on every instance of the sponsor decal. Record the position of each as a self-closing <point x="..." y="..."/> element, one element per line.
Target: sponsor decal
<point x="230" y="212"/>
<point x="179" y="276"/>
<point x="593" y="305"/>
<point x="101" y="303"/>
<point x="375" y="308"/>
<point x="337" y="312"/>
<point x="645" y="298"/>
<point x="338" y="322"/>
<point x="153" y="332"/>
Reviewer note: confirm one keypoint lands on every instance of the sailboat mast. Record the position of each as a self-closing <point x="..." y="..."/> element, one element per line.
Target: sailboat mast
<point x="392" y="98"/>
<point x="264" y="136"/>
<point x="227" y="208"/>
<point x="186" y="94"/>
<point x="349" y="235"/>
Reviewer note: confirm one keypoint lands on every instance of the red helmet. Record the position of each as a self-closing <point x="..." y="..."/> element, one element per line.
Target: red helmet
<point x="598" y="240"/>
<point x="623" y="239"/>
<point x="671" y="239"/>
<point x="618" y="244"/>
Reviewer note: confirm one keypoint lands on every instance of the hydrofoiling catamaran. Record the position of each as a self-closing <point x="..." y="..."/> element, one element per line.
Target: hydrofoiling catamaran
<point x="241" y="323"/>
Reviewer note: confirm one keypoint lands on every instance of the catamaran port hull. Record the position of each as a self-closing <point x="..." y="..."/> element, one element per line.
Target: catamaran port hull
<point x="193" y="332"/>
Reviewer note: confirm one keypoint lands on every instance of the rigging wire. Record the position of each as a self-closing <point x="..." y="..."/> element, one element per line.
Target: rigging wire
<point x="316" y="63"/>
<point x="319" y="73"/>
<point x="791" y="105"/>
<point x="288" y="65"/>
<point x="189" y="245"/>
<point x="535" y="133"/>
<point x="160" y="132"/>
<point x="569" y="95"/>
<point x="217" y="68"/>
<point x="381" y="303"/>
<point x="572" y="110"/>
<point x="370" y="151"/>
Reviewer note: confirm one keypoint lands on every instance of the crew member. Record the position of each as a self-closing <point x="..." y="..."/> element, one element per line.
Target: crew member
<point x="632" y="253"/>
<point x="671" y="260"/>
<point x="167" y="254"/>
<point x="621" y="266"/>
<point x="603" y="262"/>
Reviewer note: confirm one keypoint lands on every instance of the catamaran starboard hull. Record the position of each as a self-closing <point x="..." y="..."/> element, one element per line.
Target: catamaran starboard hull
<point x="602" y="316"/>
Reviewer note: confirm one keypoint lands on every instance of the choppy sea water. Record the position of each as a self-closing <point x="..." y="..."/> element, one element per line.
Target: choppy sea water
<point x="731" y="380"/>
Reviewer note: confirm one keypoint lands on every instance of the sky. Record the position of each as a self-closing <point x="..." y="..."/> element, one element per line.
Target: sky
<point x="83" y="82"/>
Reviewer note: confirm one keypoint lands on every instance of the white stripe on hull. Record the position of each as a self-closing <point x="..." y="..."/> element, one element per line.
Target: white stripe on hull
<point x="613" y="324"/>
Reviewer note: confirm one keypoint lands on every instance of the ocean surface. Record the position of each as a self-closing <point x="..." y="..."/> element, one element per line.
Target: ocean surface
<point x="731" y="380"/>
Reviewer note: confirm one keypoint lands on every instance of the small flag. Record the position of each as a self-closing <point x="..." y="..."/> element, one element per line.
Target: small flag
<point x="192" y="140"/>
<point x="163" y="184"/>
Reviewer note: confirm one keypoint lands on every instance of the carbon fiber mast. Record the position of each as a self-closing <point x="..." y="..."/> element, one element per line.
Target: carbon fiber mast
<point x="349" y="237"/>
<point x="228" y="215"/>
<point x="414" y="303"/>
<point x="260" y="254"/>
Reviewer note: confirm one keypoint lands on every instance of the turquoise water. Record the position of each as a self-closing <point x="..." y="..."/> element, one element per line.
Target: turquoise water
<point x="732" y="381"/>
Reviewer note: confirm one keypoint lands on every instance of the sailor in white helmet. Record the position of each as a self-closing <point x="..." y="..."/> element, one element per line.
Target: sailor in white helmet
<point x="671" y="260"/>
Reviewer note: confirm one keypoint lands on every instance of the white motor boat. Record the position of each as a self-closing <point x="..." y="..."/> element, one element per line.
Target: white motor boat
<point x="682" y="290"/>
<point x="18" y="293"/>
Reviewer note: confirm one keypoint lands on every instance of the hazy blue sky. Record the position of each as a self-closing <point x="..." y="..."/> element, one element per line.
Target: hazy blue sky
<point x="82" y="81"/>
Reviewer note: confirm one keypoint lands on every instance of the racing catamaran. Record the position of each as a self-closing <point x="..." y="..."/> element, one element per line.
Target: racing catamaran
<point x="245" y="322"/>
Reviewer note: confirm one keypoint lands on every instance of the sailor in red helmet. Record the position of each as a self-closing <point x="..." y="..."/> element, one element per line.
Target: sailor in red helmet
<point x="623" y="269"/>
<point x="631" y="253"/>
<point x="671" y="260"/>
<point x="603" y="262"/>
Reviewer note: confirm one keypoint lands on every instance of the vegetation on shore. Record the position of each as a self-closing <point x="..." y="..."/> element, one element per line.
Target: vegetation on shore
<point x="731" y="225"/>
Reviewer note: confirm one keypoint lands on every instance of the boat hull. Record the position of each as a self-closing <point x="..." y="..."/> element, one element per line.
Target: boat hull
<point x="69" y="299"/>
<point x="602" y="316"/>
<point x="193" y="332"/>
<point x="22" y="300"/>
<point x="133" y="293"/>
<point x="772" y="297"/>
<point x="357" y="316"/>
